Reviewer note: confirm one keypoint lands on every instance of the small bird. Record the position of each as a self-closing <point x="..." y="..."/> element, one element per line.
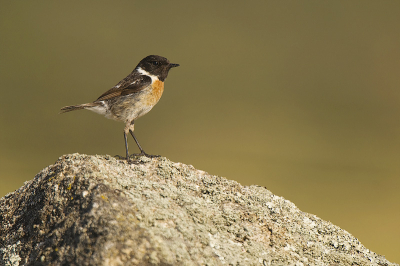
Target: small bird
<point x="132" y="97"/>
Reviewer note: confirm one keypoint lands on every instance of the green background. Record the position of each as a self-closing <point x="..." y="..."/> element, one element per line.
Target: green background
<point x="301" y="97"/>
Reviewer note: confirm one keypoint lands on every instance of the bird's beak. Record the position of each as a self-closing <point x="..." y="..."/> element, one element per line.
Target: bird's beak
<point x="173" y="65"/>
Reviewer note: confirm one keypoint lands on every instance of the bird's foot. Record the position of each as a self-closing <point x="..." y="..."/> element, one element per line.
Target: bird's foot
<point x="129" y="160"/>
<point x="119" y="157"/>
<point x="145" y="154"/>
<point x="133" y="158"/>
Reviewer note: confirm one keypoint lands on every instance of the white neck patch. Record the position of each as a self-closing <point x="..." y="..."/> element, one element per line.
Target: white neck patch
<point x="144" y="72"/>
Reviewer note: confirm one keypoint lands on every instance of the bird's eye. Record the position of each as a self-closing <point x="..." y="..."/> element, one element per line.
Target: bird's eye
<point x="155" y="63"/>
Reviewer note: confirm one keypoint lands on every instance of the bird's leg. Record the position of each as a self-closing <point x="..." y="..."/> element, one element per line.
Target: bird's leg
<point x="126" y="130"/>
<point x="126" y="145"/>
<point x="142" y="152"/>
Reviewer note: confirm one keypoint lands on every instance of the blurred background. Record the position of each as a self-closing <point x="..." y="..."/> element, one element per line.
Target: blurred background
<point x="301" y="97"/>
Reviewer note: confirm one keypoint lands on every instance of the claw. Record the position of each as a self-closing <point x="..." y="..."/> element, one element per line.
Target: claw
<point x="145" y="154"/>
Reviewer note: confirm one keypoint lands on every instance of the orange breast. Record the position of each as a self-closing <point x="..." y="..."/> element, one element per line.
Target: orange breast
<point x="156" y="93"/>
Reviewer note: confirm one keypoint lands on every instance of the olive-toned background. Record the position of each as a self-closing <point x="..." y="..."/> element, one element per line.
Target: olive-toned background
<point x="299" y="96"/>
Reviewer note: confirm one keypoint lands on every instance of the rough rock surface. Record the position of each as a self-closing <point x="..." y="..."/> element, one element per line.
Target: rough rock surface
<point x="97" y="210"/>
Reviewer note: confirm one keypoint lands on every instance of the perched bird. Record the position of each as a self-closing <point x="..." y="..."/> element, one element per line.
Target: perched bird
<point x="132" y="97"/>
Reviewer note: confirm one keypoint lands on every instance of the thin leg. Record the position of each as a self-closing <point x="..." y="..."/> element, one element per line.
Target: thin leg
<point x="126" y="145"/>
<point x="142" y="153"/>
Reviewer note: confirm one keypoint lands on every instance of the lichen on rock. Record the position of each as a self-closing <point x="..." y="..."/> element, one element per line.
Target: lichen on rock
<point x="97" y="210"/>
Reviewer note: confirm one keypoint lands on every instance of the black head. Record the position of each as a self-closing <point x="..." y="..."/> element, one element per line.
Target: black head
<point x="156" y="65"/>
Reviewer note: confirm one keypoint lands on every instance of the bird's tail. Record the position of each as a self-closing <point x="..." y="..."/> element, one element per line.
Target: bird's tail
<point x="77" y="107"/>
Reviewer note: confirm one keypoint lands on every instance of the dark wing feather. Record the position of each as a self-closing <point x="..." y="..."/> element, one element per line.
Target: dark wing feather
<point x="127" y="86"/>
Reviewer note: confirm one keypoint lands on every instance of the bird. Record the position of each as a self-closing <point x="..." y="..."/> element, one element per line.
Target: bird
<point x="132" y="97"/>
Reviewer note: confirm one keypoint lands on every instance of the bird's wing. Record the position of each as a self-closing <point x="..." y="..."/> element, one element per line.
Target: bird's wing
<point x="127" y="86"/>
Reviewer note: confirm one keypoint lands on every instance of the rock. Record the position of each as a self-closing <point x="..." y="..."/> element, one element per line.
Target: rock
<point x="97" y="210"/>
